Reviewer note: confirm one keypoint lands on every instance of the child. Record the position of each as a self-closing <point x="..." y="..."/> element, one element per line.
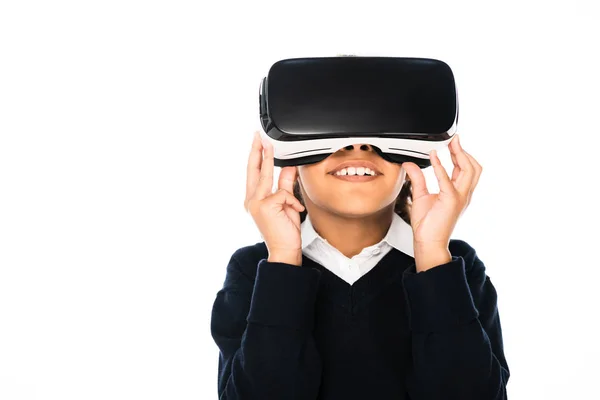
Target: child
<point x="355" y="292"/>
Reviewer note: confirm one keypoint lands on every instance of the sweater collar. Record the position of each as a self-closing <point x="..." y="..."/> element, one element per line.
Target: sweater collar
<point x="399" y="236"/>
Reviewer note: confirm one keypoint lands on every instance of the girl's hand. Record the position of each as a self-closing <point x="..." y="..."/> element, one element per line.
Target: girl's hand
<point x="434" y="216"/>
<point x="277" y="215"/>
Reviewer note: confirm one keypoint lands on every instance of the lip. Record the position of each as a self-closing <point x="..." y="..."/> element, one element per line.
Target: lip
<point x="356" y="163"/>
<point x="356" y="178"/>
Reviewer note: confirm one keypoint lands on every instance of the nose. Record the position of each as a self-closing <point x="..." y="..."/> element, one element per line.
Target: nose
<point x="361" y="146"/>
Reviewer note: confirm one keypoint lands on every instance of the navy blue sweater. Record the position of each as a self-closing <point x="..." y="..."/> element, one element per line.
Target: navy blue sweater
<point x="302" y="333"/>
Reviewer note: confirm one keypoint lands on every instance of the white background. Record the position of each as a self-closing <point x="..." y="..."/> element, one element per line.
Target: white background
<point x="125" y="129"/>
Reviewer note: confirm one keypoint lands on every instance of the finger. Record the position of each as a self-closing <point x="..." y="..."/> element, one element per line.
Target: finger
<point x="287" y="177"/>
<point x="283" y="197"/>
<point x="478" y="170"/>
<point x="265" y="181"/>
<point x="456" y="169"/>
<point x="292" y="208"/>
<point x="444" y="182"/>
<point x="465" y="176"/>
<point x="417" y="179"/>
<point x="475" y="164"/>
<point x="476" y="167"/>
<point x="253" y="168"/>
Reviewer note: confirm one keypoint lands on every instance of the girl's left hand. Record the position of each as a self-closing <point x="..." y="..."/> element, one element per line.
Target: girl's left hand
<point x="434" y="216"/>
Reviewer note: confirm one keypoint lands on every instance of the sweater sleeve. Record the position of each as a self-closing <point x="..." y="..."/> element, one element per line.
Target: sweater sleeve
<point x="263" y="329"/>
<point x="456" y="334"/>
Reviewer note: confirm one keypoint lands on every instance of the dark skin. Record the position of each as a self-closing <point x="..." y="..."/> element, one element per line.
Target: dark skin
<point x="351" y="216"/>
<point x="351" y="236"/>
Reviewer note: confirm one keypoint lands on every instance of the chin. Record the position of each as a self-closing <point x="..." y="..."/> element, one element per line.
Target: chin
<point x="359" y="211"/>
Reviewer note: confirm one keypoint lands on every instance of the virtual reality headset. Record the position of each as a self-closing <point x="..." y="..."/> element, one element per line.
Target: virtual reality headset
<point x="403" y="107"/>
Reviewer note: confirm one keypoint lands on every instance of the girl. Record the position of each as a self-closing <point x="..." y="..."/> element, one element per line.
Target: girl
<point x="357" y="291"/>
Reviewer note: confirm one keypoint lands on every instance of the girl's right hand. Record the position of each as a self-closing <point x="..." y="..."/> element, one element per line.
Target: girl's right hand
<point x="277" y="215"/>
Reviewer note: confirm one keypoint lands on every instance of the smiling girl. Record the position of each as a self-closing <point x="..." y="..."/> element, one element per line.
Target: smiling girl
<point x="357" y="291"/>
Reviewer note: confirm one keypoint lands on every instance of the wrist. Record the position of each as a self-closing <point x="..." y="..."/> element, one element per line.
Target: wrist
<point x="427" y="258"/>
<point x="287" y="257"/>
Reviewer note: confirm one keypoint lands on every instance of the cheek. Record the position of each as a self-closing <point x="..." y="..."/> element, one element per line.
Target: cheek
<point x="392" y="188"/>
<point x="400" y="179"/>
<point x="311" y="180"/>
<point x="313" y="185"/>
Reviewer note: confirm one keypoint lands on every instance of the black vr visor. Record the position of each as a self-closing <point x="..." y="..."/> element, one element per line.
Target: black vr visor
<point x="312" y="107"/>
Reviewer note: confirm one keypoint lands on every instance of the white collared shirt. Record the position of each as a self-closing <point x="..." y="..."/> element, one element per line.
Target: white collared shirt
<point x="318" y="249"/>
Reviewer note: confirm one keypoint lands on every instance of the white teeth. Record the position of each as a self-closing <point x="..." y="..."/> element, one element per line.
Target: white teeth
<point x="361" y="171"/>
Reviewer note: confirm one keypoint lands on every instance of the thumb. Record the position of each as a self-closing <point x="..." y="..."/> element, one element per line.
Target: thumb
<point x="287" y="177"/>
<point x="417" y="179"/>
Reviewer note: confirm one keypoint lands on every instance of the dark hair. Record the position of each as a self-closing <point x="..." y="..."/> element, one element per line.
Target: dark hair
<point x="402" y="206"/>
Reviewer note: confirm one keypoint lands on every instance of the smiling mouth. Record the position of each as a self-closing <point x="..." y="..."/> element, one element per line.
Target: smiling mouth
<point x="355" y="178"/>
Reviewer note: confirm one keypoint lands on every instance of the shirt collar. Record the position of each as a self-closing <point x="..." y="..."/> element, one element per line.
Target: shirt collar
<point x="399" y="236"/>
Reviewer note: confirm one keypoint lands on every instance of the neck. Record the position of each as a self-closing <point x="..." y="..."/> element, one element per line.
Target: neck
<point x="350" y="235"/>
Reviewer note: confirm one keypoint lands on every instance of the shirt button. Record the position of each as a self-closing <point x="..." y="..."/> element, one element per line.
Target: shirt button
<point x="376" y="251"/>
